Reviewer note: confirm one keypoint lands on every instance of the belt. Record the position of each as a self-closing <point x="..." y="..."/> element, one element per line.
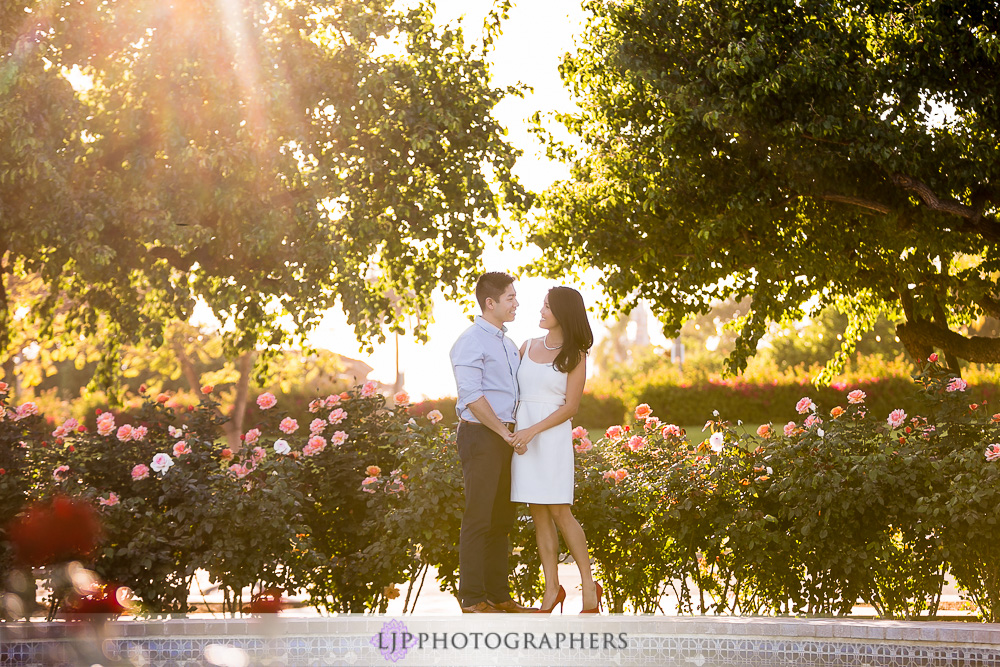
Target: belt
<point x="510" y="425"/>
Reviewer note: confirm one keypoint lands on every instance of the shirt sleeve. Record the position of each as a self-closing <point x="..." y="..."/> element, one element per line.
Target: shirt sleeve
<point x="469" y="364"/>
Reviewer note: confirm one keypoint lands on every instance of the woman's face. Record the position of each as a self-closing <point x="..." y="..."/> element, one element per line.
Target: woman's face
<point x="548" y="320"/>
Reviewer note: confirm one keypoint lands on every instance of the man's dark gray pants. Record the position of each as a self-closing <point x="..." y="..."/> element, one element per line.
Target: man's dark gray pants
<point x="489" y="515"/>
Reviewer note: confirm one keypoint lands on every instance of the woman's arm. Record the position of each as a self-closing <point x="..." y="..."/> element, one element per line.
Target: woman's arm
<point x="574" y="392"/>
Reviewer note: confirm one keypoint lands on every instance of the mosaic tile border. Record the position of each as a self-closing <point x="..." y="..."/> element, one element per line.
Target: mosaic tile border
<point x="702" y="642"/>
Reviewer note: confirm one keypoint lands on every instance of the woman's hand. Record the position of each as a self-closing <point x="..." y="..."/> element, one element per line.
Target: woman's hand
<point x="523" y="437"/>
<point x="520" y="449"/>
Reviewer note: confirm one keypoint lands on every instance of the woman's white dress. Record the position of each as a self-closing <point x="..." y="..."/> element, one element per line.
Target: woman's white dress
<point x="544" y="473"/>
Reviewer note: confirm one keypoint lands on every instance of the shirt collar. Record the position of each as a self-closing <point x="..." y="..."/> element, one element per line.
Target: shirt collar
<point x="489" y="328"/>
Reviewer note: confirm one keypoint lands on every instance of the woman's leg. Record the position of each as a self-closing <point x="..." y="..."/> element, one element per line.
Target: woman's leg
<point x="548" y="551"/>
<point x="576" y="541"/>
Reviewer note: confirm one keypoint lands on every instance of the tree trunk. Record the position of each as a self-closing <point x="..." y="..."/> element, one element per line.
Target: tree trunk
<point x="234" y="427"/>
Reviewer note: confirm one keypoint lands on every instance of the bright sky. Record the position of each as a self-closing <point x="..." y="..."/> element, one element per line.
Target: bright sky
<point x="534" y="38"/>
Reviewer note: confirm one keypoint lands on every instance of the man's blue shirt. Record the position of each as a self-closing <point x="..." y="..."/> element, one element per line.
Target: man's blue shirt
<point x="485" y="362"/>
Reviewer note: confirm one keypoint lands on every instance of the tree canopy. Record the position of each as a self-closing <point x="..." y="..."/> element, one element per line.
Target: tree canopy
<point x="271" y="158"/>
<point x="804" y="153"/>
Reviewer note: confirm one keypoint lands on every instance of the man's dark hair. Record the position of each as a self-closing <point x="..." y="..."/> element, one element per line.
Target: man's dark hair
<point x="492" y="285"/>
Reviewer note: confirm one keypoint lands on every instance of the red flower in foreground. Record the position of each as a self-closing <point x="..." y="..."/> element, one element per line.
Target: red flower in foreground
<point x="55" y="532"/>
<point x="113" y="602"/>
<point x="267" y="602"/>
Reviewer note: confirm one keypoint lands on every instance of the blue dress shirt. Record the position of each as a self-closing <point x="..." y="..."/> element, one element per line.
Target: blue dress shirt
<point x="485" y="362"/>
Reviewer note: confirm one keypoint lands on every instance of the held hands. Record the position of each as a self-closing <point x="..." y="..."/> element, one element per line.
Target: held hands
<point x="520" y="439"/>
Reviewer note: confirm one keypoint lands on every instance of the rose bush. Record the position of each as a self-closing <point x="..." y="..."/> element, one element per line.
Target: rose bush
<point x="853" y="500"/>
<point x="286" y="512"/>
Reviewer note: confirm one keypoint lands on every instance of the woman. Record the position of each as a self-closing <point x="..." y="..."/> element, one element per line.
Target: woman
<point x="551" y="377"/>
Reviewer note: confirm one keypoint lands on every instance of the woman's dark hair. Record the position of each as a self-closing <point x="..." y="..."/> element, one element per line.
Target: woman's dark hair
<point x="567" y="307"/>
<point x="492" y="285"/>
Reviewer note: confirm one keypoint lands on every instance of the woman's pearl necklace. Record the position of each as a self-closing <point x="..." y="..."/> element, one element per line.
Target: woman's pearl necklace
<point x="546" y="345"/>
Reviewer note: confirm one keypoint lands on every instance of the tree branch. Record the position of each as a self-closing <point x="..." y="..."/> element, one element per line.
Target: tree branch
<point x="920" y="336"/>
<point x="989" y="305"/>
<point x="857" y="201"/>
<point x="932" y="200"/>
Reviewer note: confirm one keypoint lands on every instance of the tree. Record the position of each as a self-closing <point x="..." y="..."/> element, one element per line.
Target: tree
<point x="804" y="153"/>
<point x="271" y="158"/>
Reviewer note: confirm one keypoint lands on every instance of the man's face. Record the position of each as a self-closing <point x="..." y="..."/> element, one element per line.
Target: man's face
<point x="505" y="308"/>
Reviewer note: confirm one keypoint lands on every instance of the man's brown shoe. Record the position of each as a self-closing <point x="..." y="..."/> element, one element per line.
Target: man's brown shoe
<point x="511" y="607"/>
<point x="481" y="608"/>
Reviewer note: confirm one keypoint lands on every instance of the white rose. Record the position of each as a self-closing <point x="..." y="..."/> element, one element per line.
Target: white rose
<point x="716" y="442"/>
<point x="161" y="462"/>
<point x="281" y="447"/>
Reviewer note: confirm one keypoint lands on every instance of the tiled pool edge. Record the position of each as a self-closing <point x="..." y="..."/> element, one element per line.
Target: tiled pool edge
<point x="702" y="641"/>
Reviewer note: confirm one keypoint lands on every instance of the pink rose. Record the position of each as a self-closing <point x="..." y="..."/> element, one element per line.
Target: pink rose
<point x="636" y="442"/>
<point x="621" y="474"/>
<point x="614" y="432"/>
<point x="317" y="442"/>
<point x="813" y="420"/>
<point x="896" y="418"/>
<point x="857" y="396"/>
<point x="805" y="405"/>
<point x="316" y="426"/>
<point x="338" y="416"/>
<point x="258" y="455"/>
<point x="67" y="427"/>
<point x="139" y="432"/>
<point x="584" y="445"/>
<point x="764" y="430"/>
<point x="401" y="398"/>
<point x="331" y="400"/>
<point x="435" y="416"/>
<point x="140" y="471"/>
<point x="790" y="429"/>
<point x="609" y="474"/>
<point x="251" y="436"/>
<point x="288" y="425"/>
<point x="315" y="405"/>
<point x="579" y="432"/>
<point x="338" y="438"/>
<point x="266" y="401"/>
<point x="652" y="423"/>
<point x="642" y="411"/>
<point x="956" y="384"/>
<point x="124" y="433"/>
<point x="369" y="389"/>
<point x="181" y="448"/>
<point x="110" y="501"/>
<point x="27" y="410"/>
<point x="105" y="423"/>
<point x="60" y="473"/>
<point x="993" y="452"/>
<point x="240" y="470"/>
<point x="671" y="431"/>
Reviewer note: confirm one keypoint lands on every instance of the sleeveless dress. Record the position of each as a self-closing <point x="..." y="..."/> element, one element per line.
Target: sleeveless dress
<point x="544" y="473"/>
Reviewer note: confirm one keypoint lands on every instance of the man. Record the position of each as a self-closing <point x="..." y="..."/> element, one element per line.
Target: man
<point x="485" y="362"/>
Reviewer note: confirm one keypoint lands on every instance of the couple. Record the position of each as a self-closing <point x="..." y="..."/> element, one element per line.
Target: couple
<point x="531" y="461"/>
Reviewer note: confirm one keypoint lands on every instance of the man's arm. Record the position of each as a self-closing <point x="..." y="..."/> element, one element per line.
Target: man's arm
<point x="483" y="411"/>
